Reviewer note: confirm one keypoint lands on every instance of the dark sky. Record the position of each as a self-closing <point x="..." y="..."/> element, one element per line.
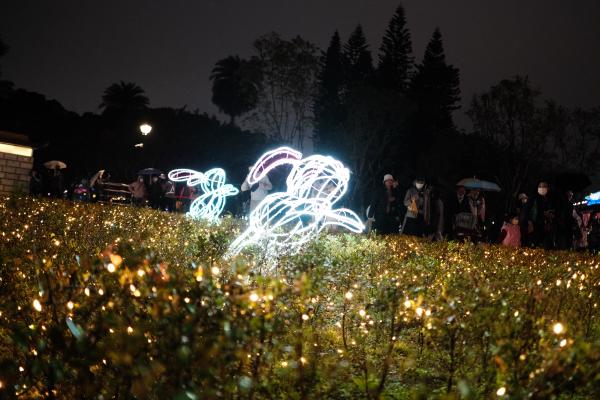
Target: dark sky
<point x="71" y="50"/>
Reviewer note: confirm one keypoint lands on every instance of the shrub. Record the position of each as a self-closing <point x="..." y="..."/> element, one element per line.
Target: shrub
<point x="115" y="302"/>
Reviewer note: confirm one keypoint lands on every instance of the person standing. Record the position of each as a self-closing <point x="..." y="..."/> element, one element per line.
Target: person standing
<point x="416" y="201"/>
<point x="385" y="207"/>
<point x="456" y="204"/>
<point x="435" y="228"/>
<point x="568" y="222"/>
<point x="138" y="192"/>
<point x="258" y="191"/>
<point x="538" y="218"/>
<point x="56" y="183"/>
<point x="477" y="207"/>
<point x="168" y="193"/>
<point x="36" y="185"/>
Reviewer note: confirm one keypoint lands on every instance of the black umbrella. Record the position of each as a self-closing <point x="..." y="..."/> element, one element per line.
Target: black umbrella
<point x="150" y="171"/>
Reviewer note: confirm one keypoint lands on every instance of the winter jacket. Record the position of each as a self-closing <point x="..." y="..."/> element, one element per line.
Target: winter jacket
<point x="138" y="190"/>
<point x="512" y="235"/>
<point x="259" y="190"/>
<point x="422" y="197"/>
<point x="381" y="208"/>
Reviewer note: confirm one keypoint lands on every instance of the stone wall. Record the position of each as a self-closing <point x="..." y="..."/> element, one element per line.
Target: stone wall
<point x="14" y="173"/>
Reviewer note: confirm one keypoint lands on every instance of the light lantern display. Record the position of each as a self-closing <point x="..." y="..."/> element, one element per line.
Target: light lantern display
<point x="593" y="198"/>
<point x="209" y="205"/>
<point x="285" y="221"/>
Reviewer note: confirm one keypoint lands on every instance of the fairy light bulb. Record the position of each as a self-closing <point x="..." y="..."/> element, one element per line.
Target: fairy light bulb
<point x="558" y="328"/>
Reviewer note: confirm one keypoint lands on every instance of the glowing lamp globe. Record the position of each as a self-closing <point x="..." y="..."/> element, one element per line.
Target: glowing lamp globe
<point x="145" y="129"/>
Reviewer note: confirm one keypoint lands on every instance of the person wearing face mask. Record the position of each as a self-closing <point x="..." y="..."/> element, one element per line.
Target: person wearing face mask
<point x="416" y="201"/>
<point x="385" y="207"/>
<point x="138" y="192"/>
<point x="538" y="218"/>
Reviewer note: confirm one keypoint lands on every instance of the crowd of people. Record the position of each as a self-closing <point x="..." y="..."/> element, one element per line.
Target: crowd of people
<point x="546" y="220"/>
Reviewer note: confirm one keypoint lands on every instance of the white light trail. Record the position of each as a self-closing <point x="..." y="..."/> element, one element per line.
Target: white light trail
<point x="211" y="203"/>
<point x="285" y="221"/>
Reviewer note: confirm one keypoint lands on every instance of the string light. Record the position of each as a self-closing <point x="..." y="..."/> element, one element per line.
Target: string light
<point x="558" y="328"/>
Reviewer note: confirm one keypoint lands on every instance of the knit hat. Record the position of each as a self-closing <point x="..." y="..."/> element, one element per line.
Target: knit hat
<point x="388" y="177"/>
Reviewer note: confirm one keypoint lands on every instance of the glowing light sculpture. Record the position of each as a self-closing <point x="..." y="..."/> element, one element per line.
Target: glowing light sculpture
<point x="593" y="198"/>
<point x="285" y="221"/>
<point x="211" y="203"/>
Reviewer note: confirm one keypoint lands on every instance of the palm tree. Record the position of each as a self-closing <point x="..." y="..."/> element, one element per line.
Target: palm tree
<point x="124" y="96"/>
<point x="235" y="85"/>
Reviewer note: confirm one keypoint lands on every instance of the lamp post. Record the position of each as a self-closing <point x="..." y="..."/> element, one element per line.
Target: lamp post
<point x="145" y="129"/>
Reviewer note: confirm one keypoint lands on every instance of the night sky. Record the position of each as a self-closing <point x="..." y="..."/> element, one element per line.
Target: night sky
<point x="72" y="50"/>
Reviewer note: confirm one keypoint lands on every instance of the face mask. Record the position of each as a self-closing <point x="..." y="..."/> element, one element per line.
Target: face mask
<point x="419" y="185"/>
<point x="542" y="191"/>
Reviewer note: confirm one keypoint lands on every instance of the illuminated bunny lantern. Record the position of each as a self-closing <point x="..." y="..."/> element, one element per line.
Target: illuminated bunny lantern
<point x="209" y="205"/>
<point x="593" y="198"/>
<point x="285" y="221"/>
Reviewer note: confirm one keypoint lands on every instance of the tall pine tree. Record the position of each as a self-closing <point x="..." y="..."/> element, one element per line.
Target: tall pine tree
<point x="359" y="62"/>
<point x="328" y="108"/>
<point x="435" y="88"/>
<point x="395" y="58"/>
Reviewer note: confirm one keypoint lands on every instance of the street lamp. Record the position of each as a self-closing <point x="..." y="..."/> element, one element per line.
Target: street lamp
<point x="145" y="129"/>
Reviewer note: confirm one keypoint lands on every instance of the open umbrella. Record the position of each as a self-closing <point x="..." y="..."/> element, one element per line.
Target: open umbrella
<point x="474" y="183"/>
<point x="149" y="171"/>
<point x="55" y="163"/>
<point x="96" y="176"/>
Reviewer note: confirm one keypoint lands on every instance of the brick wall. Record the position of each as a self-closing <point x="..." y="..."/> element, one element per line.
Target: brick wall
<point x="14" y="173"/>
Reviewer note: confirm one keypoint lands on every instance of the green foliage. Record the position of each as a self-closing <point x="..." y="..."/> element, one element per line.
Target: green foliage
<point x="124" y="96"/>
<point x="395" y="58"/>
<point x="435" y="87"/>
<point x="235" y="85"/>
<point x="127" y="303"/>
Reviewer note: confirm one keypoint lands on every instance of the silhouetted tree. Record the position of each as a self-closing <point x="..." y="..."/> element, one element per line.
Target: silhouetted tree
<point x="3" y="50"/>
<point x="125" y="96"/>
<point x="328" y="109"/>
<point x="289" y="69"/>
<point x="574" y="136"/>
<point x="359" y="62"/>
<point x="395" y="57"/>
<point x="373" y="119"/>
<point x="509" y="117"/>
<point x="235" y="85"/>
<point x="435" y="88"/>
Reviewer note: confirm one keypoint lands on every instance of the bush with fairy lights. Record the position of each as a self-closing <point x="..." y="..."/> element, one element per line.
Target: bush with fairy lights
<point x="113" y="302"/>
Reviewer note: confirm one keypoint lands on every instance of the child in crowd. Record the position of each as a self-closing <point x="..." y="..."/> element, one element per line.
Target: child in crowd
<point x="510" y="234"/>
